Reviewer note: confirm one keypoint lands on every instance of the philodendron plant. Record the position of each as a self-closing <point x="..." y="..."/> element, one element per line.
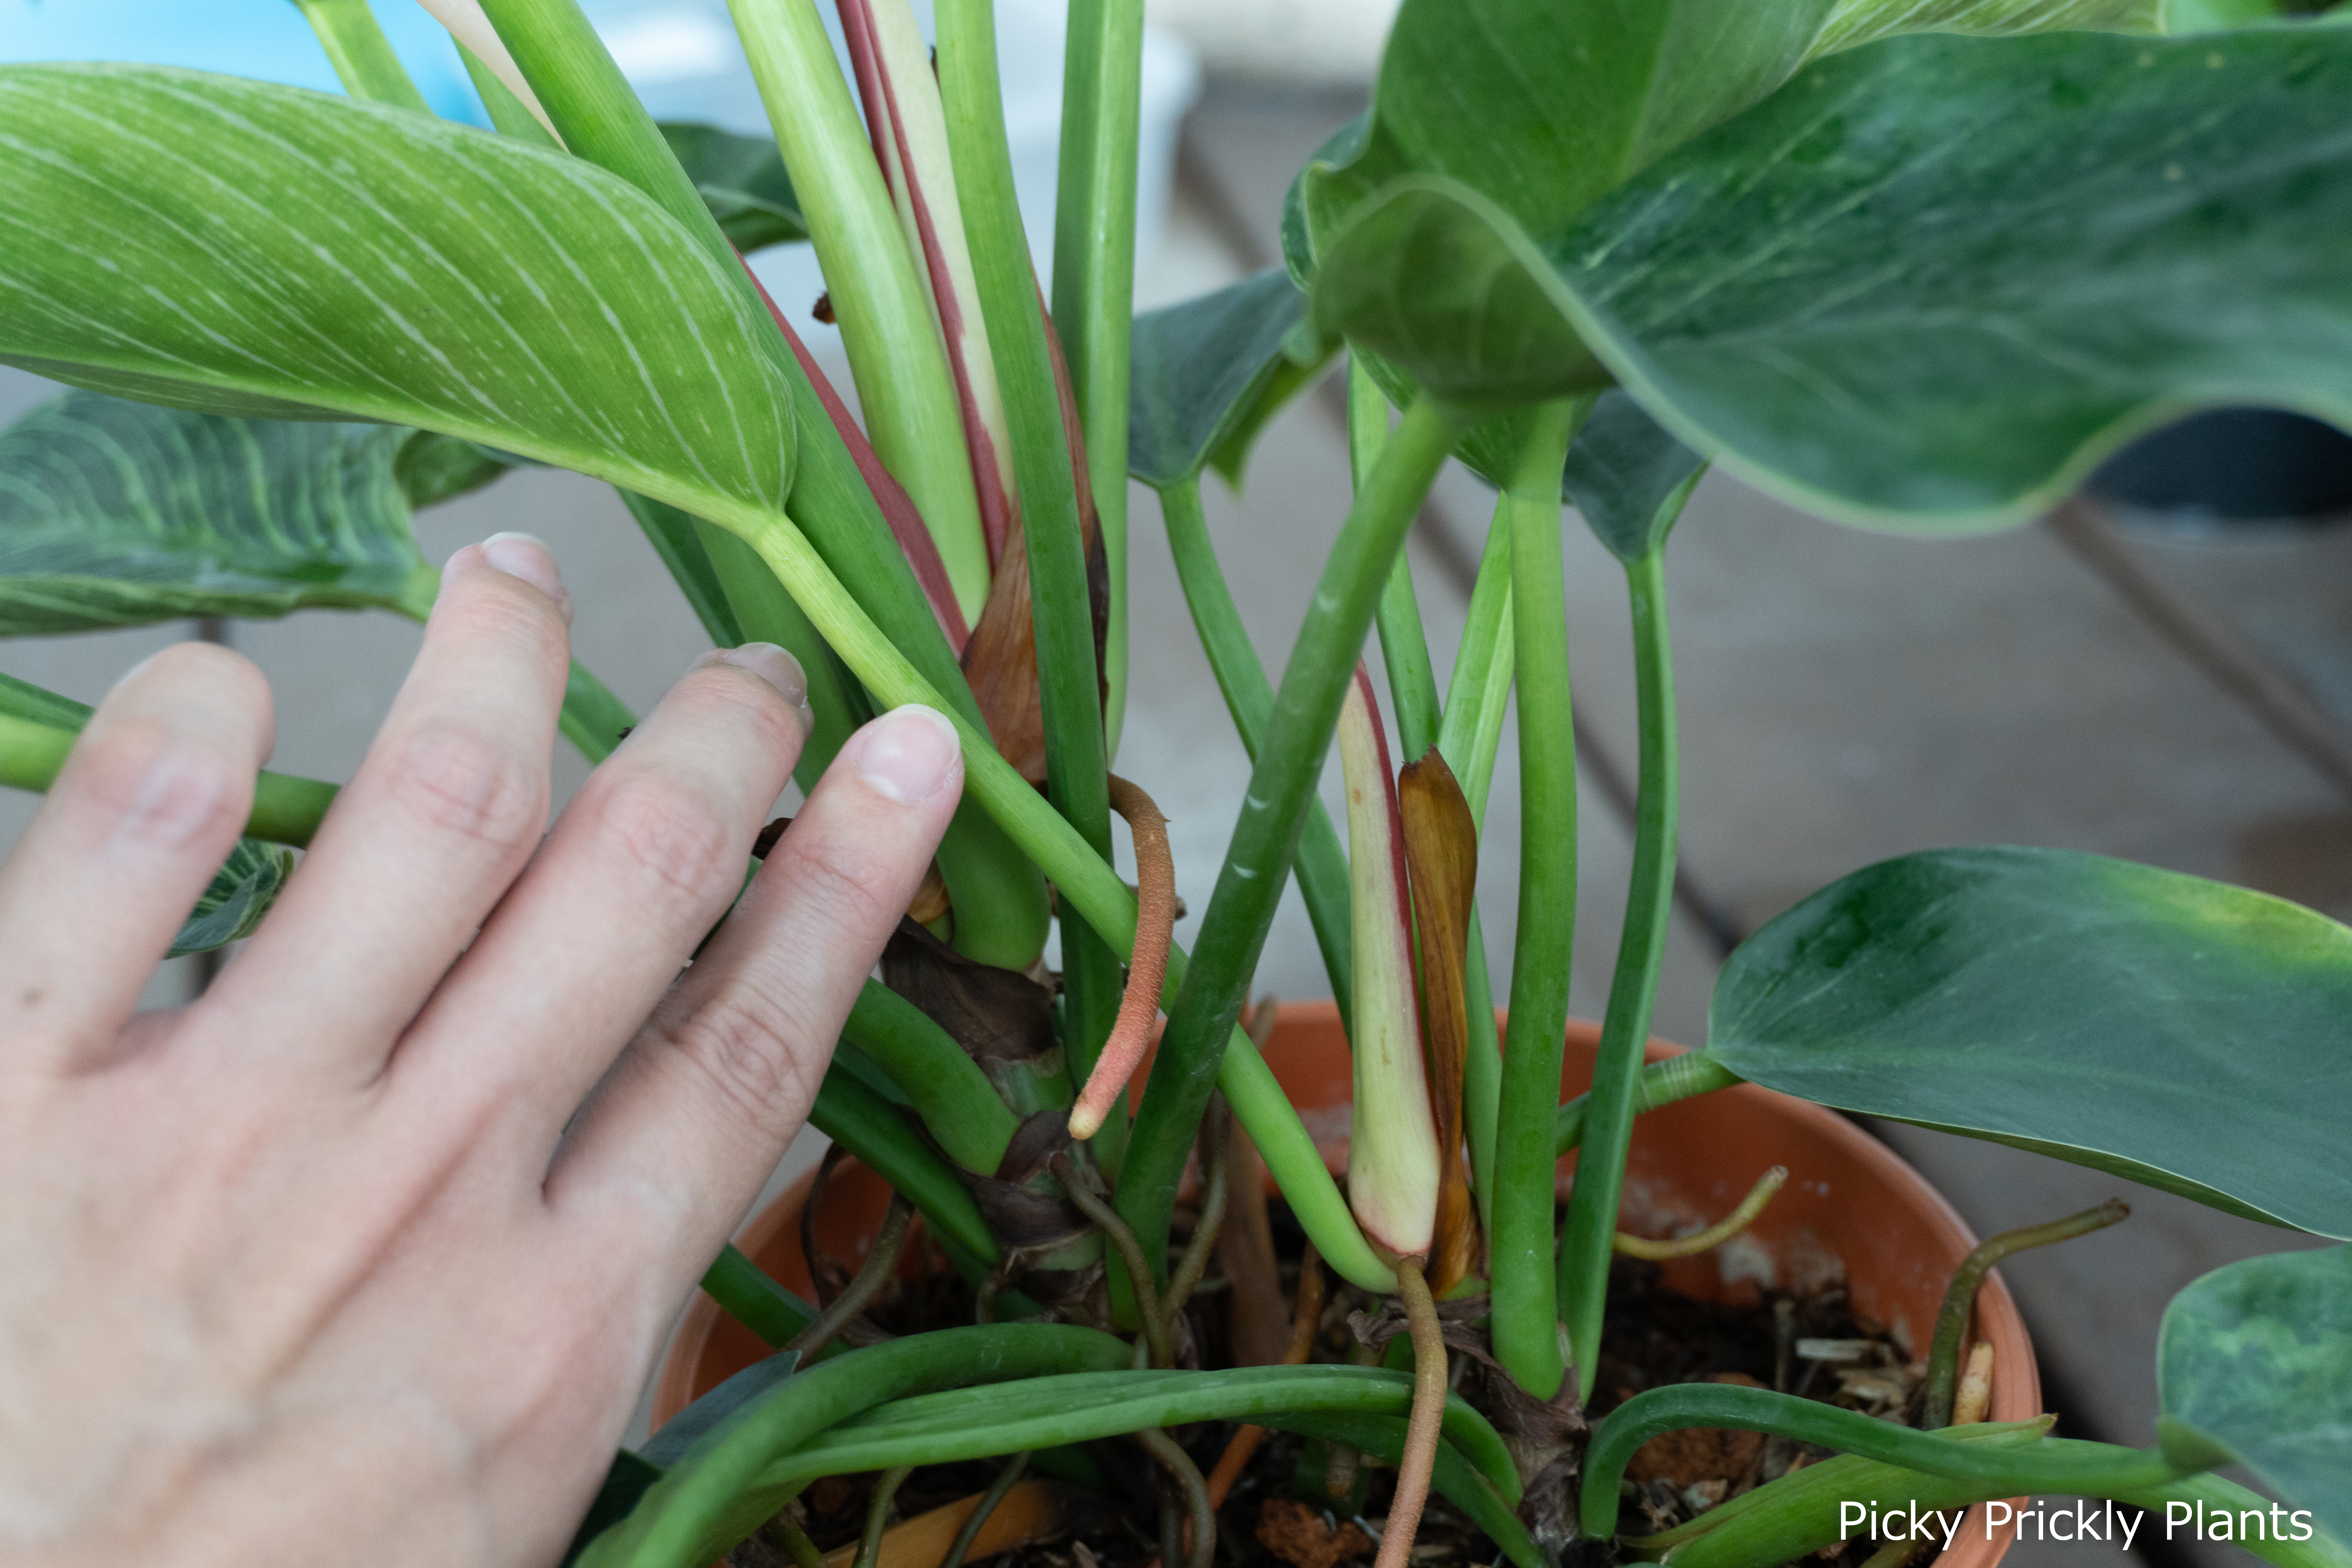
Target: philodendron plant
<point x="1915" y="265"/>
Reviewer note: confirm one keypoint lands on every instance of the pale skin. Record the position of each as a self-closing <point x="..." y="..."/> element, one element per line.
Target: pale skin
<point x="364" y="1257"/>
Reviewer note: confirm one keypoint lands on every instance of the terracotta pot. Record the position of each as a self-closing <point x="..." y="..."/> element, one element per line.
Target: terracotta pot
<point x="1852" y="1209"/>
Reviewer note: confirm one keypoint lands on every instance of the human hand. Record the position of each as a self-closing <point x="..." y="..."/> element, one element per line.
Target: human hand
<point x="363" y="1256"/>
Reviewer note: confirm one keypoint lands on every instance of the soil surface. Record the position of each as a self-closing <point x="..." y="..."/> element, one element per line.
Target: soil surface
<point x="1284" y="1512"/>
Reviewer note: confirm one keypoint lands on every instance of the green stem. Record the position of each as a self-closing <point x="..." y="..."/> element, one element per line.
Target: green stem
<point x="871" y="1128"/>
<point x="1321" y="862"/>
<point x="1086" y="881"/>
<point x="745" y="1292"/>
<point x="1094" y="278"/>
<point x="904" y="385"/>
<point x="1469" y="734"/>
<point x="592" y="720"/>
<point x="1521" y="1234"/>
<point x="1960" y="1295"/>
<point x="1591" y="1225"/>
<point x="508" y="113"/>
<point x="1661" y="1083"/>
<point x="1062" y="605"/>
<point x="1081" y="1406"/>
<point x="726" y="1485"/>
<point x="951" y="1092"/>
<point x="285" y="809"/>
<point x="761" y="607"/>
<point x="1150" y="1308"/>
<point x="1404" y="646"/>
<point x="1257" y="860"/>
<point x="2050" y="1464"/>
<point x="363" y="57"/>
<point x="601" y="121"/>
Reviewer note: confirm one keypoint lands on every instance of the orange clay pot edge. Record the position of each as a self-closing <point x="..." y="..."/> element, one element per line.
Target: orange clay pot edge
<point x="1897" y="1237"/>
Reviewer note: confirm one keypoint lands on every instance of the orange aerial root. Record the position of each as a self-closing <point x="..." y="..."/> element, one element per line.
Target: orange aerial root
<point x="1155" y="930"/>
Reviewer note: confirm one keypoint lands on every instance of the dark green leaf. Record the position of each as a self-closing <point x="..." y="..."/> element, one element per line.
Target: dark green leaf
<point x="1439" y="281"/>
<point x="689" y="1426"/>
<point x="431" y="468"/>
<point x="2258" y="1357"/>
<point x="251" y="248"/>
<point x="116" y="513"/>
<point x="1627" y="476"/>
<point x="1933" y="282"/>
<point x="626" y="1480"/>
<point x="742" y="180"/>
<point x="240" y="893"/>
<point x="1542" y="108"/>
<point x="2167" y="1029"/>
<point x="1208" y="374"/>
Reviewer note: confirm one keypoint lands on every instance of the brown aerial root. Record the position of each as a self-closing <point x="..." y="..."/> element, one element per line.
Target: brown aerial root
<point x="1155" y="929"/>
<point x="1716" y="1235"/>
<point x="1419" y="1456"/>
<point x="1975" y="1396"/>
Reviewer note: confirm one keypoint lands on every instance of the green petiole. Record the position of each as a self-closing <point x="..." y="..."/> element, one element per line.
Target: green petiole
<point x="1519" y="1239"/>
<point x="1591" y="1225"/>
<point x="1257" y="861"/>
<point x="1093" y="280"/>
<point x="1321" y="861"/>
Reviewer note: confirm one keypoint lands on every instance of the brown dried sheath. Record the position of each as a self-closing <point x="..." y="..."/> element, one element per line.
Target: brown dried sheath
<point x="1441" y="851"/>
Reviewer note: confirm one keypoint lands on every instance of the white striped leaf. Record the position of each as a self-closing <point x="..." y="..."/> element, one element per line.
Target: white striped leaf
<point x="115" y="513"/>
<point x="253" y="250"/>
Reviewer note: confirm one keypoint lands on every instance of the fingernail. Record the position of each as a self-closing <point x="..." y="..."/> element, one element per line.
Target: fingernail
<point x="772" y="664"/>
<point x="528" y="557"/>
<point x="910" y="754"/>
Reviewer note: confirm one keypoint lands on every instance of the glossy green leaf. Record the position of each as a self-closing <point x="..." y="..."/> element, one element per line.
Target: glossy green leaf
<point x="1627" y="476"/>
<point x="1932" y="283"/>
<point x="239" y="894"/>
<point x="742" y="180"/>
<point x="1928" y="285"/>
<point x="2258" y="1357"/>
<point x="1439" y="282"/>
<point x="1543" y="108"/>
<point x="1207" y="374"/>
<point x="431" y="468"/>
<point x="246" y="248"/>
<point x="115" y="513"/>
<point x="2167" y="1029"/>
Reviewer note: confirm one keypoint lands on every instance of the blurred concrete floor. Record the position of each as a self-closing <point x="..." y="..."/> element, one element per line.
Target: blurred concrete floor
<point x="1845" y="697"/>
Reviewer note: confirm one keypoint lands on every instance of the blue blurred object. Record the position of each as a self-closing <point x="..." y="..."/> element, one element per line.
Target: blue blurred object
<point x="264" y="38"/>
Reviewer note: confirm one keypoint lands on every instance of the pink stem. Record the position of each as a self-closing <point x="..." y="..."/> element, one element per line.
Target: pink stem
<point x="897" y="507"/>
